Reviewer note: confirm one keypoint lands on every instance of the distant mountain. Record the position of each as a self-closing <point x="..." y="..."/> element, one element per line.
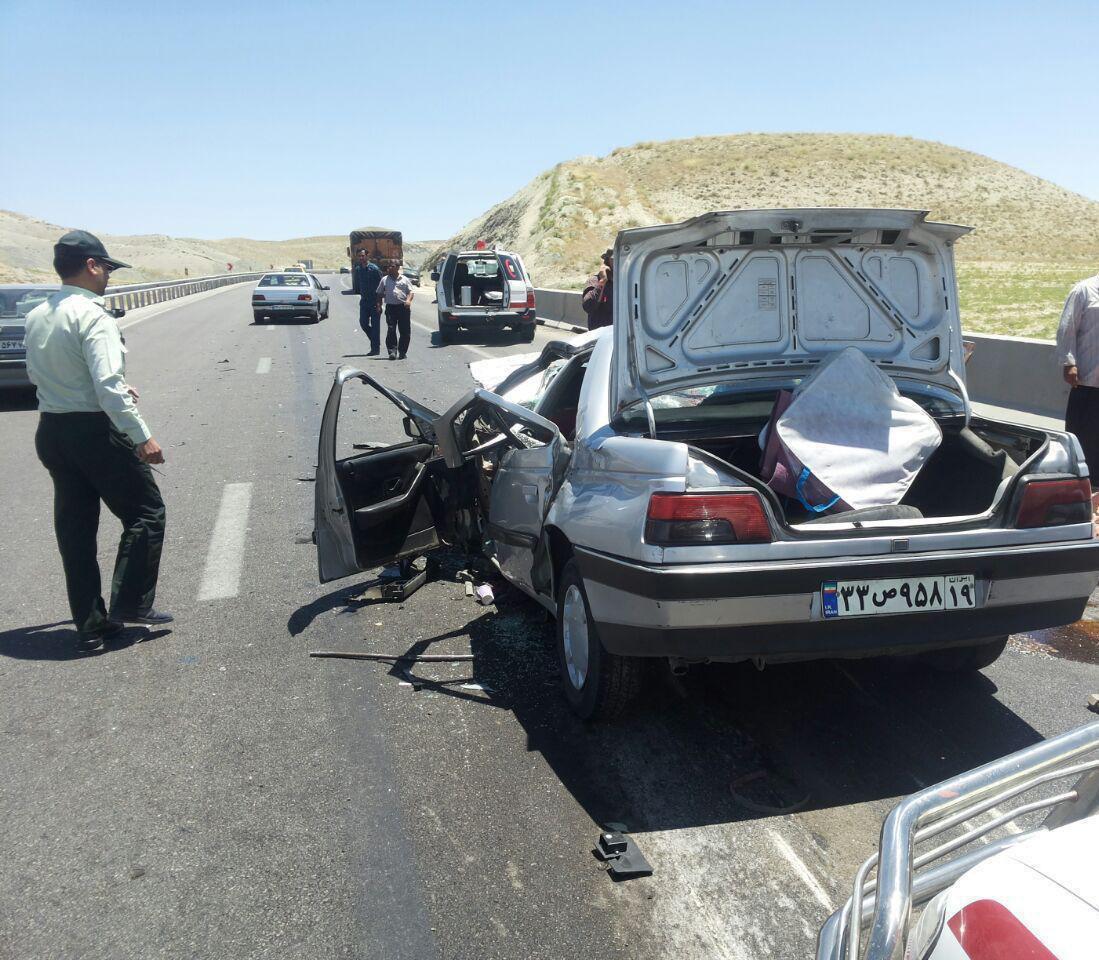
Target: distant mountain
<point x="26" y="252"/>
<point x="1032" y="237"/>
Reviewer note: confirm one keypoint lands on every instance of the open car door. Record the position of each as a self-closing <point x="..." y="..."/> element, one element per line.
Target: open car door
<point x="521" y="459"/>
<point x="385" y="503"/>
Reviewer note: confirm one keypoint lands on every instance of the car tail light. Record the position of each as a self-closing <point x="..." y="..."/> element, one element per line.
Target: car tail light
<point x="530" y="299"/>
<point x="1053" y="503"/>
<point x="305" y="296"/>
<point x="258" y="296"/>
<point x="696" y="518"/>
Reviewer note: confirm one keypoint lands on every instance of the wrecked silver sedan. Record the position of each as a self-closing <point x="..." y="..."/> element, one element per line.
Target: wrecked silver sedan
<point x="620" y="480"/>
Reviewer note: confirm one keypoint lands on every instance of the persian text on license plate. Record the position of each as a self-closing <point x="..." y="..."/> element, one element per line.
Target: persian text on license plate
<point x="864" y="598"/>
<point x="11" y="344"/>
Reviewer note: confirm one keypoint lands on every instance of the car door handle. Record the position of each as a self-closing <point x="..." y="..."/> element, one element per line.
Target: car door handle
<point x="530" y="493"/>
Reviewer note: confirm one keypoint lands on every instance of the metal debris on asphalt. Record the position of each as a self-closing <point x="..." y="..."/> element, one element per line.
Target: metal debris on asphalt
<point x="621" y="855"/>
<point x="391" y="657"/>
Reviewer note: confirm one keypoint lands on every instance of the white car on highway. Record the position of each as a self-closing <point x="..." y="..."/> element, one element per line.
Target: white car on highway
<point x="289" y="294"/>
<point x="632" y="501"/>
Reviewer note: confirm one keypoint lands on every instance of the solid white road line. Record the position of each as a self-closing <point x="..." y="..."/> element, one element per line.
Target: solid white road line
<point x="264" y="365"/>
<point x="800" y="869"/>
<point x="221" y="576"/>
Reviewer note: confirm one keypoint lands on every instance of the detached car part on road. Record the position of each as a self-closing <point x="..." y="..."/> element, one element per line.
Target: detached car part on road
<point x="478" y="289"/>
<point x="289" y="293"/>
<point x="627" y="500"/>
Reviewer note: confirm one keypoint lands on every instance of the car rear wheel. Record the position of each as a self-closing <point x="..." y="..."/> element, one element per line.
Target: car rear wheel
<point x="257" y="317"/>
<point x="446" y="335"/>
<point x="965" y="659"/>
<point x="526" y="333"/>
<point x="598" y="685"/>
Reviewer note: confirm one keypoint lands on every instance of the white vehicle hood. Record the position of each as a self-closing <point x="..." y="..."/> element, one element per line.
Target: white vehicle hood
<point x="728" y="296"/>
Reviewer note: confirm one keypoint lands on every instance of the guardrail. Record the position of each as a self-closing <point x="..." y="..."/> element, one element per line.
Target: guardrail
<point x="134" y="295"/>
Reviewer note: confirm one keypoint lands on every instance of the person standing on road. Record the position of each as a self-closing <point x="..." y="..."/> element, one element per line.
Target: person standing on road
<point x="396" y="292"/>
<point x="1078" y="351"/>
<point x="94" y="444"/>
<point x="365" y="278"/>
<point x="598" y="298"/>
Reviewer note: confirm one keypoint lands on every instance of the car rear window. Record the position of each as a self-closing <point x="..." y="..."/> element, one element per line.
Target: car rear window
<point x="511" y="268"/>
<point x="285" y="280"/>
<point x="483" y="268"/>
<point x="18" y="303"/>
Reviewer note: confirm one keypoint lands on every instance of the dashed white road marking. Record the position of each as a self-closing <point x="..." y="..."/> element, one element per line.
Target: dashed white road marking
<point x="264" y="365"/>
<point x="221" y="575"/>
<point x="801" y="869"/>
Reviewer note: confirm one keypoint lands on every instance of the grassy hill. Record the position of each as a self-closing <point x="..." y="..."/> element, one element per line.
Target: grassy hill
<point x="1032" y="240"/>
<point x="26" y="252"/>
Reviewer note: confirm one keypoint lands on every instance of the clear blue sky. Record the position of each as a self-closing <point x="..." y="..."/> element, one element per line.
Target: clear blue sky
<point x="274" y="120"/>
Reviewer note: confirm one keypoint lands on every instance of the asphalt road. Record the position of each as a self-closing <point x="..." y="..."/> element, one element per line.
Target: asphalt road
<point x="211" y="791"/>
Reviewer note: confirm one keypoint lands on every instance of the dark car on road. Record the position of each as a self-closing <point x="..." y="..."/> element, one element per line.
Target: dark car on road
<point x="16" y="301"/>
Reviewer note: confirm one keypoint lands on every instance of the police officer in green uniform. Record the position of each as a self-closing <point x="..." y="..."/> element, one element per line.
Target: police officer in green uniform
<point x="95" y="444"/>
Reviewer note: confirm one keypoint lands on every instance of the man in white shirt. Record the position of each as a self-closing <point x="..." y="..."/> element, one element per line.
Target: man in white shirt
<point x="396" y="292"/>
<point x="95" y="444"/>
<point x="1078" y="351"/>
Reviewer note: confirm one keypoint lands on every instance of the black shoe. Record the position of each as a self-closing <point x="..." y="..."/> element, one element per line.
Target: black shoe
<point x="149" y="616"/>
<point x="90" y="642"/>
<point x="373" y="353"/>
<point x="401" y="357"/>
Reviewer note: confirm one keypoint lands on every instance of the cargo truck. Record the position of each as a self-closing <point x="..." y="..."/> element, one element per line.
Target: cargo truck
<point x="382" y="246"/>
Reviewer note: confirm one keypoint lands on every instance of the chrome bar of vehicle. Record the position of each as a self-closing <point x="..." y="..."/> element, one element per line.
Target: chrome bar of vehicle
<point x="832" y="940"/>
<point x="941" y="807"/>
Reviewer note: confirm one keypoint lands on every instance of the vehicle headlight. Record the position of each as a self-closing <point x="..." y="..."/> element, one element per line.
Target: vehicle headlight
<point x="923" y="940"/>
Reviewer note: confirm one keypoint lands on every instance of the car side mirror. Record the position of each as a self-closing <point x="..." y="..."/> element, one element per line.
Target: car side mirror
<point x="435" y="275"/>
<point x="411" y="430"/>
<point x="117" y="312"/>
<point x="326" y="288"/>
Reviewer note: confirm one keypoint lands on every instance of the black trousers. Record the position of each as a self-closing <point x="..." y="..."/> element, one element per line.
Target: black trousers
<point x="370" y="320"/>
<point x="90" y="461"/>
<point x="1082" y="418"/>
<point x="398" y="319"/>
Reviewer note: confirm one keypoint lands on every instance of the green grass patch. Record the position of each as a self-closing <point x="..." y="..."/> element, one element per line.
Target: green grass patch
<point x="1016" y="299"/>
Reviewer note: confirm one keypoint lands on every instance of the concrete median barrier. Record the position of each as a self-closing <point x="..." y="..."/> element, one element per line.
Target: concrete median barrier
<point x="1012" y="372"/>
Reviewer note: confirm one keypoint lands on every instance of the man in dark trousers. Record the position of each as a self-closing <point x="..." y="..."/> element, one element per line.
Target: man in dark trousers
<point x="396" y="292"/>
<point x="598" y="298"/>
<point x="364" y="281"/>
<point x="95" y="444"/>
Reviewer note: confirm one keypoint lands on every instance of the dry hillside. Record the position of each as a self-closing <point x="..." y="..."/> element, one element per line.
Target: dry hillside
<point x="1032" y="238"/>
<point x="26" y="249"/>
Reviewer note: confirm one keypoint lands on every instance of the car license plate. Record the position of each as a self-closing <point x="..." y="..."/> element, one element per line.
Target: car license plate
<point x="866" y="598"/>
<point x="11" y="345"/>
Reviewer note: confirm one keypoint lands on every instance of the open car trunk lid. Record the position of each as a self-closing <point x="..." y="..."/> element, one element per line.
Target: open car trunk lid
<point x="730" y="296"/>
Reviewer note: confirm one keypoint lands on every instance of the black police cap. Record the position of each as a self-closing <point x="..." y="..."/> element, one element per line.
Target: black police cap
<point x="86" y="244"/>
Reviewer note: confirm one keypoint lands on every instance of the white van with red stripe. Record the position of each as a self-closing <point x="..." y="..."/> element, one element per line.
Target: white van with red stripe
<point x="476" y="289"/>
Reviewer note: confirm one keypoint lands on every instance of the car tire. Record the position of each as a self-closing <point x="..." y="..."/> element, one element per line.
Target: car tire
<point x="526" y="333"/>
<point x="445" y="335"/>
<point x="598" y="685"/>
<point x="257" y="317"/>
<point x="965" y="659"/>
